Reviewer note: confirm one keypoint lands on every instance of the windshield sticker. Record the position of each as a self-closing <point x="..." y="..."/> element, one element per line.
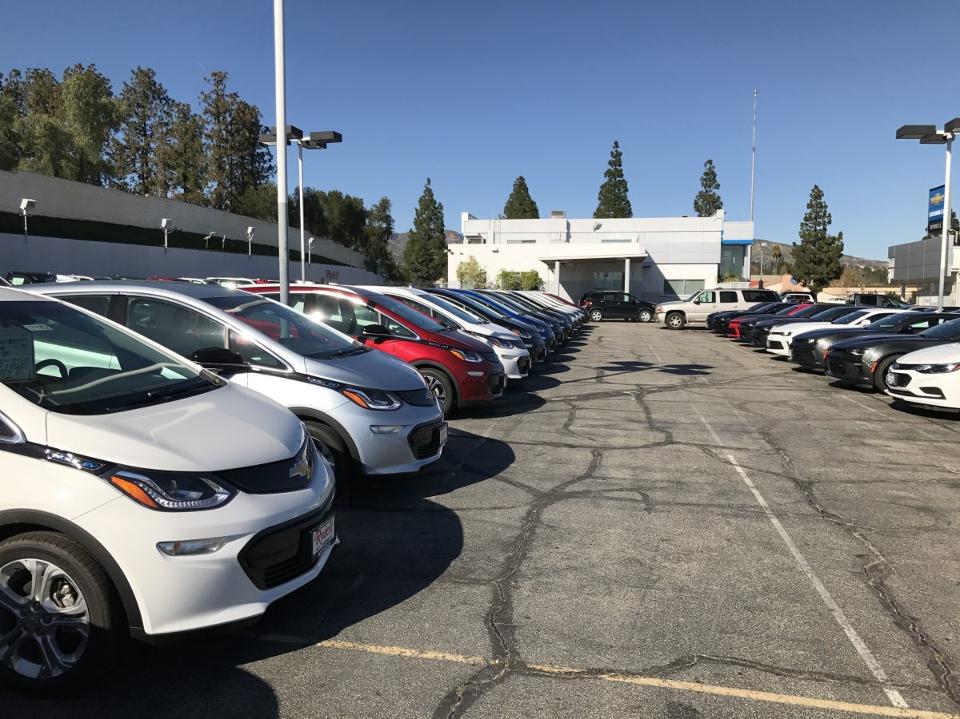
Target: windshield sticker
<point x="16" y="355"/>
<point x="38" y="328"/>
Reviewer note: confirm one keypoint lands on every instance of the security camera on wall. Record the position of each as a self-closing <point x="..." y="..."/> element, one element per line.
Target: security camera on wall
<point x="27" y="204"/>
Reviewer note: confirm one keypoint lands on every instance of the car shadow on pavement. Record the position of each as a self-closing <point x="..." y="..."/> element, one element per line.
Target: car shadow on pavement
<point x="683" y="370"/>
<point x="395" y="542"/>
<point x="945" y="414"/>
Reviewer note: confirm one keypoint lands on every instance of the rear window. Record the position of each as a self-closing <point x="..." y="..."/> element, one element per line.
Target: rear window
<point x="759" y="296"/>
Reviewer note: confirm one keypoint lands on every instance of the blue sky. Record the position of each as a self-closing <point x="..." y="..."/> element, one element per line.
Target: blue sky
<point x="473" y="94"/>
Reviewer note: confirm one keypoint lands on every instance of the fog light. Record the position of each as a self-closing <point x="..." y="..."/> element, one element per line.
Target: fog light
<point x="192" y="547"/>
<point x="385" y="428"/>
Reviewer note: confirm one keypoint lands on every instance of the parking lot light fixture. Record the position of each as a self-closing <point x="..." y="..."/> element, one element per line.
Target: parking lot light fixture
<point x="312" y="141"/>
<point x="251" y="231"/>
<point x="26" y="204"/>
<point x="167" y="226"/>
<point x="929" y="135"/>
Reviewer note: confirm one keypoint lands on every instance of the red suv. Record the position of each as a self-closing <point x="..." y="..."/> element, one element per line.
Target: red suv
<point x="459" y="369"/>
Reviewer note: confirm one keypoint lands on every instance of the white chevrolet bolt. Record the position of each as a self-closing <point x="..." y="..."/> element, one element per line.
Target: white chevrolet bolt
<point x="929" y="376"/>
<point x="140" y="492"/>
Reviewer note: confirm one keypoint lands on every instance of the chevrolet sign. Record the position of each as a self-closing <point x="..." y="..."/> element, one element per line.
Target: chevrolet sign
<point x="935" y="209"/>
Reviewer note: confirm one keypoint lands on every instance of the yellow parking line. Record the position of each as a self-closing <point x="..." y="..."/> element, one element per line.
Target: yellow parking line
<point x="642" y="681"/>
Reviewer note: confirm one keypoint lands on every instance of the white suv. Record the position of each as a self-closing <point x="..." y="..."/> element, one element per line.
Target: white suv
<point x="694" y="309"/>
<point x="140" y="491"/>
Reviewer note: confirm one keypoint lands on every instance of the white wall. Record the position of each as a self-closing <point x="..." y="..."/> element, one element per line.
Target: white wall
<point x="79" y="201"/>
<point x="81" y="257"/>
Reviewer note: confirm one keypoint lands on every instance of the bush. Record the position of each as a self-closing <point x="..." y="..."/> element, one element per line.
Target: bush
<point x="528" y="280"/>
<point x="471" y="274"/>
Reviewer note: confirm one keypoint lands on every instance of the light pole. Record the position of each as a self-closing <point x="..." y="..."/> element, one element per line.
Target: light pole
<point x="281" y="107"/>
<point x="930" y="135"/>
<point x="313" y="141"/>
<point x="251" y="231"/>
<point x="26" y="204"/>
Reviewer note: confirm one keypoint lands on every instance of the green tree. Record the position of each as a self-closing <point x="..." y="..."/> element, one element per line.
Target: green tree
<point x="217" y="110"/>
<point x="776" y="255"/>
<point x="852" y="276"/>
<point x="44" y="141"/>
<point x="89" y="117"/>
<point x="182" y="157"/>
<point x="613" y="200"/>
<point x="379" y="230"/>
<point x="708" y="201"/>
<point x="9" y="118"/>
<point x="425" y="256"/>
<point x="520" y="206"/>
<point x="145" y="113"/>
<point x="259" y="202"/>
<point x="471" y="275"/>
<point x="816" y="260"/>
<point x="251" y="163"/>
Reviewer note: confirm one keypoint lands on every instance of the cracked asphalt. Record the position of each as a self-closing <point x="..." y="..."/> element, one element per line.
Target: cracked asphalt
<point x="654" y="513"/>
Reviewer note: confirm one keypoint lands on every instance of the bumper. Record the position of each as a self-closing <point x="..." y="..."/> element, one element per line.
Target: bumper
<point x="516" y="362"/>
<point x="482" y="382"/>
<point x="847" y="369"/>
<point x="178" y="594"/>
<point x="778" y="345"/>
<point x="387" y="452"/>
<point x="925" y="389"/>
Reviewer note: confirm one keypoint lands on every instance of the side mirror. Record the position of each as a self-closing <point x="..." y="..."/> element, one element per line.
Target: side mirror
<point x="376" y="332"/>
<point x="696" y="301"/>
<point x="219" y="358"/>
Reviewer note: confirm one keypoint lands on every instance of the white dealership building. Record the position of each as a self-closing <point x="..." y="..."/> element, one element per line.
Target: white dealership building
<point x="656" y="258"/>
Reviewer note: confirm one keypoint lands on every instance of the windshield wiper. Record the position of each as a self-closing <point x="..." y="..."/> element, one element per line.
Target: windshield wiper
<point x="157" y="396"/>
<point x="346" y="352"/>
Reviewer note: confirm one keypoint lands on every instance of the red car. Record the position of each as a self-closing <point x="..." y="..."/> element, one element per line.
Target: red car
<point x="459" y="369"/>
<point x="733" y="329"/>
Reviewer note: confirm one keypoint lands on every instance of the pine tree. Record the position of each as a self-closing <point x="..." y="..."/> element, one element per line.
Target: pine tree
<point x="184" y="161"/>
<point x="90" y="117"/>
<point x="379" y="230"/>
<point x="708" y="201"/>
<point x="9" y="117"/>
<point x="252" y="165"/>
<point x="144" y="108"/>
<point x="217" y="113"/>
<point x="520" y="206"/>
<point x="44" y="141"/>
<point x="425" y="256"/>
<point x="816" y="260"/>
<point x="612" y="200"/>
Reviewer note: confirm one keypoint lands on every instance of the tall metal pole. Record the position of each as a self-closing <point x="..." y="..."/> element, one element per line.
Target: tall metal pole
<point x="281" y="101"/>
<point x="303" y="268"/>
<point x="753" y="157"/>
<point x="26" y="235"/>
<point x="947" y="221"/>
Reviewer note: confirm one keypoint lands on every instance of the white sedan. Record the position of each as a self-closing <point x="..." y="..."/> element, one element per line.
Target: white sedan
<point x="930" y="376"/>
<point x="780" y="337"/>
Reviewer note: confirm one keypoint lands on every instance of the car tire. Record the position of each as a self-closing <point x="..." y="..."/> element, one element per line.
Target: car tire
<point x="333" y="449"/>
<point x="880" y="375"/>
<point x="87" y="648"/>
<point x="596" y="315"/>
<point x="441" y="385"/>
<point x="676" y="321"/>
<point x="645" y="316"/>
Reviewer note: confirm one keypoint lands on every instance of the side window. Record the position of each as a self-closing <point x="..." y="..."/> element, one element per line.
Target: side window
<point x="727" y="296"/>
<point x="329" y="311"/>
<point x="707" y="297"/>
<point x="252" y="353"/>
<point x="176" y="327"/>
<point x="921" y="325"/>
<point x="95" y="303"/>
<point x="395" y="327"/>
<point x="296" y="300"/>
<point x="365" y="316"/>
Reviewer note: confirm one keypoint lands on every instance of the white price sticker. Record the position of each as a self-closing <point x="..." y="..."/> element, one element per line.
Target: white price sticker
<point x="16" y="355"/>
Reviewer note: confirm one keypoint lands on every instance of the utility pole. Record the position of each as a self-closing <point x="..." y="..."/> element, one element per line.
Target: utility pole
<point x="281" y="124"/>
<point x="753" y="157"/>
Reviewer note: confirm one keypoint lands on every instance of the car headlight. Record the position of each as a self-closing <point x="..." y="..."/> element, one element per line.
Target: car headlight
<point x="659" y="309"/>
<point x="937" y="368"/>
<point x="171" y="491"/>
<point x="497" y="342"/>
<point x="371" y="398"/>
<point x="467" y="355"/>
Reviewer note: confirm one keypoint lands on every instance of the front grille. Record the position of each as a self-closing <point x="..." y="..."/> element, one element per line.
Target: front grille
<point x="417" y="397"/>
<point x="282" y="553"/>
<point x="775" y="344"/>
<point x="523" y="364"/>
<point x="287" y="475"/>
<point x="496" y="385"/>
<point x="490" y="357"/>
<point x="426" y="440"/>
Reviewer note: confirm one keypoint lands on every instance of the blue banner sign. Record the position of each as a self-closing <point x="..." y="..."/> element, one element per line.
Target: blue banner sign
<point x="935" y="209"/>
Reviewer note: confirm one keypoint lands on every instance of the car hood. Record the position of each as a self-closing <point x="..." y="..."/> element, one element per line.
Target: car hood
<point x="834" y="332"/>
<point x="796" y="328"/>
<point x="941" y="354"/>
<point x="225" y="428"/>
<point x="460" y="340"/>
<point x="371" y="369"/>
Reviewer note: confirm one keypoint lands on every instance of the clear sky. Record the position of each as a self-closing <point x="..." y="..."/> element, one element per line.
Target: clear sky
<point x="473" y="94"/>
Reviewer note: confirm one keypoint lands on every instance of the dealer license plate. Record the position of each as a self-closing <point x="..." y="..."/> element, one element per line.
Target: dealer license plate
<point x="322" y="536"/>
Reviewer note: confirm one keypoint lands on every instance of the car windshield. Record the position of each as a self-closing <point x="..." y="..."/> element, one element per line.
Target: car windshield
<point x="67" y="361"/>
<point x="486" y="301"/>
<point x="481" y="307"/>
<point x="828" y="315"/>
<point x="890" y="321"/>
<point x="286" y="326"/>
<point x="944" y="331"/>
<point x="786" y="310"/>
<point x="850" y="318"/>
<point x="460" y="314"/>
<point x="418" y="319"/>
<point x="512" y="304"/>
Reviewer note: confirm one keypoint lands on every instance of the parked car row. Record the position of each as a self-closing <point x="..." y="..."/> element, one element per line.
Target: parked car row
<point x="179" y="445"/>
<point x="911" y="354"/>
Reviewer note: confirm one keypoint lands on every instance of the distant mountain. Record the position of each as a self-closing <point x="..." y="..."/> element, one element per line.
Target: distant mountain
<point x="399" y="241"/>
<point x="787" y="250"/>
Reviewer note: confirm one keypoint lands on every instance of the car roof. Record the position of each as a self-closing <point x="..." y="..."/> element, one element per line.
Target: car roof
<point x="14" y="294"/>
<point x="179" y="288"/>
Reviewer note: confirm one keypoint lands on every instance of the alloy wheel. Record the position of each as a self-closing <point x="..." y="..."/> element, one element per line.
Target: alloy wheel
<point x="439" y="391"/>
<point x="44" y="622"/>
<point x="645" y="315"/>
<point x="596" y="315"/>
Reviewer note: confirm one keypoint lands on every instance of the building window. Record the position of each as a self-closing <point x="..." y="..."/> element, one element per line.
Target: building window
<point x="677" y="289"/>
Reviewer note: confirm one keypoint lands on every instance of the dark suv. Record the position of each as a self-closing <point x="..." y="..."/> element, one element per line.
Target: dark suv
<point x="617" y="305"/>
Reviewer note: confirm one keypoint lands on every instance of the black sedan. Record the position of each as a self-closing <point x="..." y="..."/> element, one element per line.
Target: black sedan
<point x="864" y="361"/>
<point x="810" y="349"/>
<point x="718" y="321"/>
<point x="618" y="305"/>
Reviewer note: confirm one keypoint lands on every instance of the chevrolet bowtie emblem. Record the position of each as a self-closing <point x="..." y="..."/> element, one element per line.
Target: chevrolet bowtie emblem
<point x="936" y="199"/>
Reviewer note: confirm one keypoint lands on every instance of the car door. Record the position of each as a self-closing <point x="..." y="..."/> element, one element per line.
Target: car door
<point x="705" y="303"/>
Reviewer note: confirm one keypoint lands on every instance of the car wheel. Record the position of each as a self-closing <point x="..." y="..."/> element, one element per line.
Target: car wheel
<point x="332" y="448"/>
<point x="596" y="315"/>
<point x="676" y="321"/>
<point x="880" y="374"/>
<point x="60" y="618"/>
<point x="646" y="316"/>
<point x="439" y="383"/>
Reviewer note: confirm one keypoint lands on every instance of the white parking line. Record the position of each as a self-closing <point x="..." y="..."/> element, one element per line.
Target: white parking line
<point x="919" y="430"/>
<point x="858" y="644"/>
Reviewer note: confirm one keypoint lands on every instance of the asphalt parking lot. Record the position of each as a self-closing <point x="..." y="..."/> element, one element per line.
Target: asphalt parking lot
<point x="660" y="524"/>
